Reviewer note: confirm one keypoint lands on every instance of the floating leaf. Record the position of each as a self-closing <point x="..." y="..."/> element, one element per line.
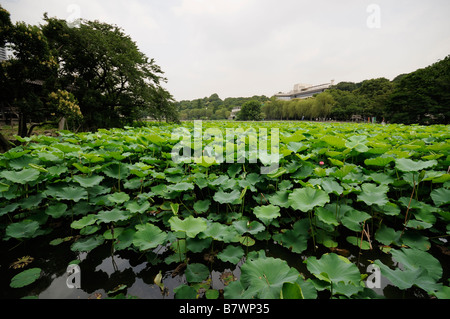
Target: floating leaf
<point x="305" y="199"/>
<point x="25" y="278"/>
<point x="72" y="193"/>
<point x="185" y="292"/>
<point x="88" y="243"/>
<point x="202" y="206"/>
<point x="226" y="198"/>
<point x="333" y="268"/>
<point x="91" y="181"/>
<point x="196" y="272"/>
<point x="440" y="196"/>
<point x="114" y="215"/>
<point x="191" y="225"/>
<point x="57" y="210"/>
<point x="119" y="198"/>
<point x="295" y="239"/>
<point x="231" y="254"/>
<point x="353" y="219"/>
<point x="264" y="277"/>
<point x="407" y="165"/>
<point x="21" y="177"/>
<point x="372" y="194"/>
<point x="24" y="229"/>
<point x="84" y="221"/>
<point x="148" y="236"/>
<point x="267" y="213"/>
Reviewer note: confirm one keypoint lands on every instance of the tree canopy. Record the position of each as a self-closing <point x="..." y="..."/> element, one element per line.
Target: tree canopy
<point x="102" y="68"/>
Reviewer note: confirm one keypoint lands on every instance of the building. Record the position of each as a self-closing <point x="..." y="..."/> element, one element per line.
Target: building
<point x="3" y="55"/>
<point x="303" y="91"/>
<point x="234" y="112"/>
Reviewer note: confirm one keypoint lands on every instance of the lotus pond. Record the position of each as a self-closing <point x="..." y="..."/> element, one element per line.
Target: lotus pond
<point x="346" y="202"/>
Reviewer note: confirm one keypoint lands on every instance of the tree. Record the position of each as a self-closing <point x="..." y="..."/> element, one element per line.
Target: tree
<point x="111" y="79"/>
<point x="27" y="77"/>
<point x="422" y="96"/>
<point x="323" y="104"/>
<point x="250" y="111"/>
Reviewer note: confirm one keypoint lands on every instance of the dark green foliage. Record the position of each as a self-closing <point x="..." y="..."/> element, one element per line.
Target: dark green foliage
<point x="250" y="111"/>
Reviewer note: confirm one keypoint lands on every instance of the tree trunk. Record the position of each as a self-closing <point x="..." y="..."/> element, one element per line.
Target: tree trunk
<point x="62" y="123"/>
<point x="22" y="131"/>
<point x="4" y="144"/>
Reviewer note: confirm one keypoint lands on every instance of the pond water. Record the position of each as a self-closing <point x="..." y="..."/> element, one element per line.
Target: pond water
<point x="102" y="271"/>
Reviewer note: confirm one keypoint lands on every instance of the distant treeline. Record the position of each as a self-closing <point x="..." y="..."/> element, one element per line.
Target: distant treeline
<point x="422" y="97"/>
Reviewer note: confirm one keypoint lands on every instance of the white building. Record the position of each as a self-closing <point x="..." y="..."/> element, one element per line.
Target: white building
<point x="3" y="55"/>
<point x="303" y="91"/>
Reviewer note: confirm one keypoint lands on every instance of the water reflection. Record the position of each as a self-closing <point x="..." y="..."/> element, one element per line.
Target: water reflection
<point x="104" y="271"/>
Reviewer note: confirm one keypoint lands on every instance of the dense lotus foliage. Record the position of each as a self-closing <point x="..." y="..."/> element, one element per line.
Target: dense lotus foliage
<point x="377" y="188"/>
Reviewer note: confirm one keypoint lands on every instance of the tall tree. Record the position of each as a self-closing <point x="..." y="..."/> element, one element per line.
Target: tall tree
<point x="250" y="111"/>
<point x="422" y="96"/>
<point x="112" y="80"/>
<point x="26" y="77"/>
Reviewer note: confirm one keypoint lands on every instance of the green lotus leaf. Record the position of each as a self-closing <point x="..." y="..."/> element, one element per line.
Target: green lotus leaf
<point x="21" y="177"/>
<point x="116" y="170"/>
<point x="212" y="294"/>
<point x="364" y="245"/>
<point x="135" y="207"/>
<point x="387" y="235"/>
<point x="72" y="193"/>
<point x="280" y="198"/>
<point x="24" y="229"/>
<point x="86" y="181"/>
<point x="291" y="291"/>
<point x="407" y="165"/>
<point x="118" y="198"/>
<point x="245" y="226"/>
<point x="334" y="141"/>
<point x="353" y="219"/>
<point x="191" y="225"/>
<point x="84" y="221"/>
<point x="247" y="241"/>
<point x="440" y="196"/>
<point x="231" y="254"/>
<point x="114" y="215"/>
<point x="220" y="232"/>
<point x="196" y="272"/>
<point x="333" y="268"/>
<point x="419" y="268"/>
<point x="8" y="208"/>
<point x="202" y="206"/>
<point x="148" y="236"/>
<point x="372" y="194"/>
<point x="378" y="161"/>
<point x="66" y="147"/>
<point x="295" y="239"/>
<point x="125" y="239"/>
<point x="358" y="143"/>
<point x="185" y="292"/>
<point x="267" y="213"/>
<point x="264" y="277"/>
<point x="305" y="199"/>
<point x="180" y="187"/>
<point x="57" y="210"/>
<point x="226" y="198"/>
<point x="326" y="216"/>
<point x="88" y="243"/>
<point x="25" y="278"/>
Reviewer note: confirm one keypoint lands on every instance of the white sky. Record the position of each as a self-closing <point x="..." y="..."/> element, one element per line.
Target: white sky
<point x="254" y="47"/>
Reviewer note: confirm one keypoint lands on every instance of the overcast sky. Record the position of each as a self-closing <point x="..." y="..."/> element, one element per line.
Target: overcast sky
<point x="255" y="47"/>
